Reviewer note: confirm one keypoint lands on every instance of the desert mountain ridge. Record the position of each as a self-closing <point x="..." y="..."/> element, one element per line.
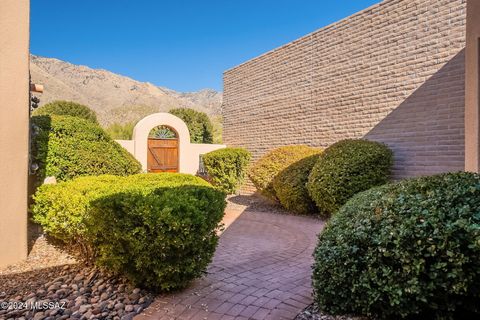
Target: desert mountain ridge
<point x="115" y="98"/>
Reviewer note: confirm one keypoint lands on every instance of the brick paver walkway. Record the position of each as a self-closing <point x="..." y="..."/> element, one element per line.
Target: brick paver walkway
<point x="261" y="270"/>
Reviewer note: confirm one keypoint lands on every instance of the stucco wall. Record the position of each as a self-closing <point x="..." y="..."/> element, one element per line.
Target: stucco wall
<point x="392" y="73"/>
<point x="189" y="153"/>
<point x="14" y="116"/>
<point x="129" y="145"/>
<point x="472" y="85"/>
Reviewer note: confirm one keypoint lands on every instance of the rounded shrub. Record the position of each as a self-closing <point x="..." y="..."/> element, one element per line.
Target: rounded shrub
<point x="346" y="168"/>
<point x="290" y="186"/>
<point x="226" y="168"/>
<point x="66" y="108"/>
<point x="198" y="123"/>
<point x="406" y="250"/>
<point x="67" y="147"/>
<point x="158" y="230"/>
<point x="270" y="165"/>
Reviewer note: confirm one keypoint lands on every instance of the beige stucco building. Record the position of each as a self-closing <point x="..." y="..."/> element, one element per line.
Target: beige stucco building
<point x="14" y="128"/>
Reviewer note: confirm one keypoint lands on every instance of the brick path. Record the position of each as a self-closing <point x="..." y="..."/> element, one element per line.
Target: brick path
<point x="261" y="270"/>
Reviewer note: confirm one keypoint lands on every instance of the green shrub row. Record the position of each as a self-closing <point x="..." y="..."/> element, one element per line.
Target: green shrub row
<point x="290" y="186"/>
<point x="159" y="230"/>
<point x="66" y="108"/>
<point x="346" y="168"/>
<point x="226" y="168"/>
<point x="67" y="147"/>
<point x="307" y="180"/>
<point x="406" y="250"/>
<point x="264" y="171"/>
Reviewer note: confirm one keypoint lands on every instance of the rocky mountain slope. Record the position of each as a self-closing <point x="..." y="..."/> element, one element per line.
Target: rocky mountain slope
<point x="114" y="98"/>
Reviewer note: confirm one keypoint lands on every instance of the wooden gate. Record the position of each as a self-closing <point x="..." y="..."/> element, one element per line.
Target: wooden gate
<point x="162" y="155"/>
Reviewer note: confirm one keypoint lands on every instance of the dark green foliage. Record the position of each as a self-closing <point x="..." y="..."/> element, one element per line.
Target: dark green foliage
<point x="290" y="186"/>
<point x="159" y="230"/>
<point x="66" y="108"/>
<point x="198" y="123"/>
<point x="346" y="168"/>
<point x="406" y="250"/>
<point x="67" y="147"/>
<point x="226" y="168"/>
<point x="120" y="131"/>
<point x="162" y="132"/>
<point x="263" y="172"/>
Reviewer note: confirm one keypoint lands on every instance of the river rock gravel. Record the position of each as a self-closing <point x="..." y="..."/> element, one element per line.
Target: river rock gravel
<point x="313" y="313"/>
<point x="52" y="285"/>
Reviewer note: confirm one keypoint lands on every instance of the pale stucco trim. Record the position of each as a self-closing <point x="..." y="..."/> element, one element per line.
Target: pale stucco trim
<point x="189" y="153"/>
<point x="14" y="128"/>
<point x="472" y="88"/>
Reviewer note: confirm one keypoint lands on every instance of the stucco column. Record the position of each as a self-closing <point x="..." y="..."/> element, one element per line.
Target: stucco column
<point x="14" y="128"/>
<point x="472" y="87"/>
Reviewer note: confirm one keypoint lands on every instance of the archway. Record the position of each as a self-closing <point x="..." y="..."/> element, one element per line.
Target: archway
<point x="141" y="134"/>
<point x="163" y="150"/>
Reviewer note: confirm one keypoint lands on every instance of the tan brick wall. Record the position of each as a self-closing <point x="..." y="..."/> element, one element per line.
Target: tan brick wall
<point x="392" y="73"/>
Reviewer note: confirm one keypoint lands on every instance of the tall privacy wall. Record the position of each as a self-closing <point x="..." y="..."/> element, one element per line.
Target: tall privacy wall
<point x="392" y="73"/>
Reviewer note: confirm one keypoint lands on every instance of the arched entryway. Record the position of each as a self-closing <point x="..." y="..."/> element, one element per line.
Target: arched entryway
<point x="168" y="138"/>
<point x="163" y="150"/>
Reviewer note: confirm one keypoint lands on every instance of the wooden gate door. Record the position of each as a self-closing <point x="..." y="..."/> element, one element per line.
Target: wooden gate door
<point x="162" y="155"/>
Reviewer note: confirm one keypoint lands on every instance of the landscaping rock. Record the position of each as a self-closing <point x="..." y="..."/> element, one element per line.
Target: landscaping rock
<point x="313" y="313"/>
<point x="82" y="292"/>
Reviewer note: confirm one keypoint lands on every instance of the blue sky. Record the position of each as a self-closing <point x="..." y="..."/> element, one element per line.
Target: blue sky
<point x="184" y="45"/>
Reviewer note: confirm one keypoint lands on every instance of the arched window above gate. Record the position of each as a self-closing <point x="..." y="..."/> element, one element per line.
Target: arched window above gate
<point x="163" y="132"/>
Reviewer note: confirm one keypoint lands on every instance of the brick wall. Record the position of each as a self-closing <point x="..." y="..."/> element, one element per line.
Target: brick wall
<point x="392" y="73"/>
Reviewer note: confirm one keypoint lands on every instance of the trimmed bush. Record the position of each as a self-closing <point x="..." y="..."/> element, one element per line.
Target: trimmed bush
<point x="290" y="186"/>
<point x="404" y="250"/>
<point x="270" y="165"/>
<point x="226" y="168"/>
<point x="346" y="168"/>
<point x="198" y="123"/>
<point x="159" y="230"/>
<point x="68" y="147"/>
<point x="67" y="108"/>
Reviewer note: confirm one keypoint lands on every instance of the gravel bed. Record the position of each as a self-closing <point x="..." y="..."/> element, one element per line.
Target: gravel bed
<point x="313" y="313"/>
<point x="61" y="288"/>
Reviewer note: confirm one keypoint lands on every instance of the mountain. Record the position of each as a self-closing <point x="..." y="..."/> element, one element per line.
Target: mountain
<point x="114" y="98"/>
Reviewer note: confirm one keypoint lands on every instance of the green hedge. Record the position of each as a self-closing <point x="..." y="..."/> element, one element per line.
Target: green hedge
<point x="68" y="147"/>
<point x="346" y="168"/>
<point x="198" y="123"/>
<point x="270" y="165"/>
<point x="406" y="250"/>
<point x="159" y="230"/>
<point x="226" y="168"/>
<point x="66" y="108"/>
<point x="290" y="186"/>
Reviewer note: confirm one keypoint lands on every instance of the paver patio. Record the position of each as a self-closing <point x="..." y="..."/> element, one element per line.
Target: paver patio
<point x="261" y="270"/>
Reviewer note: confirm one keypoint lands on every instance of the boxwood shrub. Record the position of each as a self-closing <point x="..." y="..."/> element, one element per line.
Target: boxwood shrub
<point x="406" y="250"/>
<point x="67" y="147"/>
<point x="290" y="186"/>
<point x="226" y="168"/>
<point x="66" y="108"/>
<point x="270" y="165"/>
<point x="159" y="230"/>
<point x="346" y="168"/>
